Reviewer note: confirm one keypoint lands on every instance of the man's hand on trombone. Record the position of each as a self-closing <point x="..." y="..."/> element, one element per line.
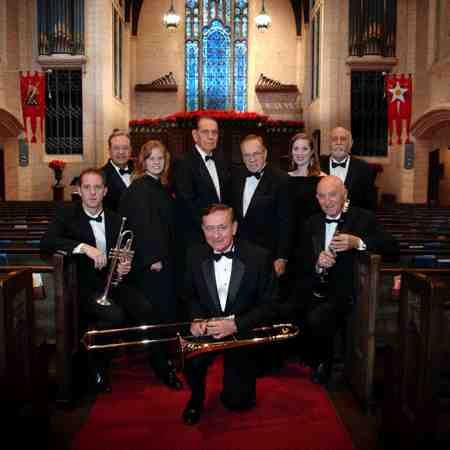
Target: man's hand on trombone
<point x="216" y="328"/>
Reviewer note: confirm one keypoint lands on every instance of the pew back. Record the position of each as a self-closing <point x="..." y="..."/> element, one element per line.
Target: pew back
<point x="417" y="403"/>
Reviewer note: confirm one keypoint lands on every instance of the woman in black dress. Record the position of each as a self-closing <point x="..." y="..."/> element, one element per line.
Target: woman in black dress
<point x="148" y="207"/>
<point x="303" y="180"/>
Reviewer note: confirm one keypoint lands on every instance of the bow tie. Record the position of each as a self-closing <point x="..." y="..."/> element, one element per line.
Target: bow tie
<point x="217" y="256"/>
<point x="124" y="171"/>
<point x="337" y="164"/>
<point x="99" y="218"/>
<point x="257" y="175"/>
<point x="209" y="157"/>
<point x="332" y="220"/>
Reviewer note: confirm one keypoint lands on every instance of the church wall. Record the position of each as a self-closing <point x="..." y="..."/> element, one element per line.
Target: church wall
<point x="416" y="41"/>
<point x="274" y="53"/>
<point x="158" y="52"/>
<point x="101" y="110"/>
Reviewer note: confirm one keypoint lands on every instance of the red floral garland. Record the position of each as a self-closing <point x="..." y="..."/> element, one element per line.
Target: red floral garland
<point x="216" y="114"/>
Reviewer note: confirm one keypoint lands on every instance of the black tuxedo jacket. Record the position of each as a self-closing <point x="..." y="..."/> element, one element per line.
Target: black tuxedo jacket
<point x="194" y="190"/>
<point x="360" y="182"/>
<point x="116" y="186"/>
<point x="358" y="222"/>
<point x="268" y="219"/>
<point x="149" y="210"/>
<point x="251" y="290"/>
<point x="69" y="228"/>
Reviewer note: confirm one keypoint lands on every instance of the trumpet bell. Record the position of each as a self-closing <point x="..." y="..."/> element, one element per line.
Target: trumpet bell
<point x="103" y="301"/>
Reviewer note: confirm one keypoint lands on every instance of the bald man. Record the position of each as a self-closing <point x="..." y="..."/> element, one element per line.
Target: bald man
<point x="324" y="293"/>
<point x="357" y="175"/>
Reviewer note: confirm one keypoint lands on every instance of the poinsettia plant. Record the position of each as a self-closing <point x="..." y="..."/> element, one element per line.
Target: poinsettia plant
<point x="56" y="164"/>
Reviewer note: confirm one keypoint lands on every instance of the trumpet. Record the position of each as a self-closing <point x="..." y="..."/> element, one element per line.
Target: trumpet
<point x="121" y="252"/>
<point x="187" y="346"/>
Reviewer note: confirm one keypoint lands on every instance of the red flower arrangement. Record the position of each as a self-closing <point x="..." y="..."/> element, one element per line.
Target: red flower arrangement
<point x="56" y="164"/>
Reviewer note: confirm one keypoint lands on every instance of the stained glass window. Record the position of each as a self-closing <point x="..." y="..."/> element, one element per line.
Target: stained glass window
<point x="216" y="54"/>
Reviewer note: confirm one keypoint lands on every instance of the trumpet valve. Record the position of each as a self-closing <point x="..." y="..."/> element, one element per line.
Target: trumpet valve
<point x="121" y="253"/>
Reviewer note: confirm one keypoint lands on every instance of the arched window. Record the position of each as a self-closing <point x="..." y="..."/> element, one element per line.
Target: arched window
<point x="216" y="54"/>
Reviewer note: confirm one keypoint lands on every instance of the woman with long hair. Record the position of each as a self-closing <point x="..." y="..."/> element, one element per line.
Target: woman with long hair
<point x="148" y="207"/>
<point x="304" y="176"/>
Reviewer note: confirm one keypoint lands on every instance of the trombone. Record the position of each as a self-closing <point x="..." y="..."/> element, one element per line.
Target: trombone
<point x="188" y="346"/>
<point x="122" y="251"/>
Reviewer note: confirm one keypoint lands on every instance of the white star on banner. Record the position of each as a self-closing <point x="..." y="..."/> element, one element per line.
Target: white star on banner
<point x="398" y="93"/>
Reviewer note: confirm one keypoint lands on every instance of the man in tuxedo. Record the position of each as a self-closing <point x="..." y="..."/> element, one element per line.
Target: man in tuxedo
<point x="228" y="291"/>
<point x="200" y="178"/>
<point x="261" y="201"/>
<point x="118" y="169"/>
<point x="324" y="294"/>
<point x="358" y="177"/>
<point x="87" y="231"/>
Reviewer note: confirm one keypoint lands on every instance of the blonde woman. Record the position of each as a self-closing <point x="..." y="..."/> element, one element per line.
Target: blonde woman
<point x="148" y="207"/>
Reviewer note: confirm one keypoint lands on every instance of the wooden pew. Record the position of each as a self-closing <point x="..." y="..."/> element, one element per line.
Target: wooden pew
<point x="416" y="410"/>
<point x="66" y="334"/>
<point x="374" y="320"/>
<point x="23" y="381"/>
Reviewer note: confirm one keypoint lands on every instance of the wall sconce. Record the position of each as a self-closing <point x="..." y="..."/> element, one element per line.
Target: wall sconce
<point x="171" y="18"/>
<point x="263" y="19"/>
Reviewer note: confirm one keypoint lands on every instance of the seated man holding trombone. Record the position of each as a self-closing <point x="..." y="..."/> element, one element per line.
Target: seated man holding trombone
<point x="89" y="232"/>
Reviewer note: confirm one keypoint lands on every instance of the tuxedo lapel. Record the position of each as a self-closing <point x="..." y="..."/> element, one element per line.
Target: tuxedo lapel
<point x="210" y="279"/>
<point x="262" y="188"/>
<point x="111" y="231"/>
<point x="85" y="229"/>
<point x="241" y="187"/>
<point x="237" y="273"/>
<point x="326" y="165"/>
<point x="319" y="237"/>
<point x="203" y="173"/>
<point x="350" y="173"/>
<point x="116" y="178"/>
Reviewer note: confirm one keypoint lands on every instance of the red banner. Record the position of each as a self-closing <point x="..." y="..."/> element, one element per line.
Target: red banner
<point x="398" y="88"/>
<point x="32" y="90"/>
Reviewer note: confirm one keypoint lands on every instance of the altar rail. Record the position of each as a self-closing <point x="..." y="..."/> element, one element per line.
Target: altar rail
<point x="175" y="131"/>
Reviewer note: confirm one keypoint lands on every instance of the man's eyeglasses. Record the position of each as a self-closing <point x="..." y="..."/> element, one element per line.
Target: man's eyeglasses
<point x="215" y="228"/>
<point x="252" y="155"/>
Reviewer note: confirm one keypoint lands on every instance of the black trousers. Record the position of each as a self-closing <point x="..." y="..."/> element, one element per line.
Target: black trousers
<point x="321" y="319"/>
<point x="239" y="378"/>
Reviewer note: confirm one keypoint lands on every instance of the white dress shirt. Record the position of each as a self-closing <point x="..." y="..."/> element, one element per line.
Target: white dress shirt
<point x="222" y="271"/>
<point x="212" y="170"/>
<point x="98" y="228"/>
<point x="251" y="183"/>
<point x="330" y="229"/>
<point x="340" y="172"/>
<point x="126" y="177"/>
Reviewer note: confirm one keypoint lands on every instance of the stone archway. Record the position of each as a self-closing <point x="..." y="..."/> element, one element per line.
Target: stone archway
<point x="424" y="129"/>
<point x="10" y="127"/>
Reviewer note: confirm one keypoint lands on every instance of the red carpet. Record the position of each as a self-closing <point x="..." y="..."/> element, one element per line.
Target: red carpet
<point x="291" y="414"/>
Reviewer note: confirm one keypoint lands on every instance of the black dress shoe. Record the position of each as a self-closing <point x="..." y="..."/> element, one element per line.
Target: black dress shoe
<point x="171" y="380"/>
<point x="192" y="413"/>
<point x="321" y="375"/>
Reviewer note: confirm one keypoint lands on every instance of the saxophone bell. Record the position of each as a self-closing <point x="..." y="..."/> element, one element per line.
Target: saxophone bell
<point x="121" y="253"/>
